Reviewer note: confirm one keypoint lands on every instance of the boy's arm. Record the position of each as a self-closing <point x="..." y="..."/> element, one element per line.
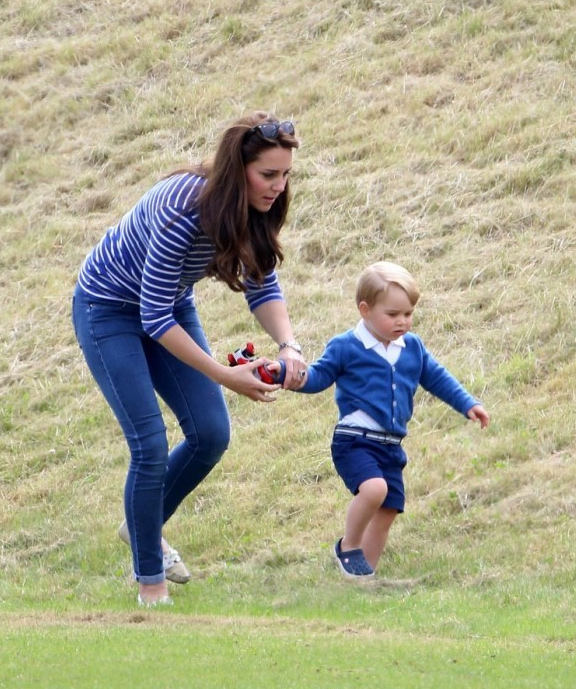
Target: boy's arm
<point x="323" y="372"/>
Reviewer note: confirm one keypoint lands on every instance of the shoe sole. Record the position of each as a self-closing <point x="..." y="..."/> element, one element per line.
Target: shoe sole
<point x="176" y="578"/>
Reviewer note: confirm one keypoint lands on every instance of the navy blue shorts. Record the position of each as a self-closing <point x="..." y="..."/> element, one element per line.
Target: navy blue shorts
<point x="358" y="459"/>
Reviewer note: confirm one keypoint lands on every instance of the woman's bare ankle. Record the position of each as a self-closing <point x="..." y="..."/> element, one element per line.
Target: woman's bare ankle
<point x="151" y="593"/>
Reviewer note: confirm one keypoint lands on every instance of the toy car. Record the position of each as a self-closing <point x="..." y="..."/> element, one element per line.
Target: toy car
<point x="246" y="354"/>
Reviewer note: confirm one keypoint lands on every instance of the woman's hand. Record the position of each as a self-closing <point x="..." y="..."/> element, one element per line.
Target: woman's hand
<point x="295" y="368"/>
<point x="241" y="379"/>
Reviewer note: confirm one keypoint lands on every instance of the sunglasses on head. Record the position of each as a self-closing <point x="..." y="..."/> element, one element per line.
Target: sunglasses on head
<point x="270" y="130"/>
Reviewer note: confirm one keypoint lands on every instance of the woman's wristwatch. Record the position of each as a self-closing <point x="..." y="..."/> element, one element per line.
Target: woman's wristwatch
<point x="293" y="344"/>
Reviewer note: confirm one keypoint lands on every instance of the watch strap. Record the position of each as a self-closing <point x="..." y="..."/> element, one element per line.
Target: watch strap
<point x="293" y="344"/>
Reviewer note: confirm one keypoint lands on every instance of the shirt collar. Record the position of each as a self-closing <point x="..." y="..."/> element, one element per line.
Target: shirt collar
<point x="369" y="341"/>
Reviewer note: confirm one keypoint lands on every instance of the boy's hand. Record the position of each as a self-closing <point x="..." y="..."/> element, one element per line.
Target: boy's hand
<point x="478" y="413"/>
<point x="278" y="368"/>
<point x="295" y="369"/>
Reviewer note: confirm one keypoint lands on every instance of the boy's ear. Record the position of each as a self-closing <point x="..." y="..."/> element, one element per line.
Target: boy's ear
<point x="363" y="308"/>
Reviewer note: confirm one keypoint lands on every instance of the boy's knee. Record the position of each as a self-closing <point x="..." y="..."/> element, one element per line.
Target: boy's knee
<point x="375" y="489"/>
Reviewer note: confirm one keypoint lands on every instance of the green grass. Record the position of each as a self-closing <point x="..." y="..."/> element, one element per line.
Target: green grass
<point x="439" y="135"/>
<point x="349" y="636"/>
<point x="320" y="633"/>
<point x="277" y="653"/>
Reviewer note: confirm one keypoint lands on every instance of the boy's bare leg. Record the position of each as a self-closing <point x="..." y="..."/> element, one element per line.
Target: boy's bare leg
<point x="365" y="504"/>
<point x="376" y="534"/>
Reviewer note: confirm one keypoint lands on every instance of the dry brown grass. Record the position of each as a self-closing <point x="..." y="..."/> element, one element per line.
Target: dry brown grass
<point x="437" y="134"/>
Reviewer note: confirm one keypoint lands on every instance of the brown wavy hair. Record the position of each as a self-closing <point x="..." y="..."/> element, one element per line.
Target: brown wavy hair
<point x="246" y="240"/>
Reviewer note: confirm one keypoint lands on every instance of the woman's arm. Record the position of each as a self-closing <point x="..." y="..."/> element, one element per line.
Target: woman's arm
<point x="239" y="379"/>
<point x="273" y="317"/>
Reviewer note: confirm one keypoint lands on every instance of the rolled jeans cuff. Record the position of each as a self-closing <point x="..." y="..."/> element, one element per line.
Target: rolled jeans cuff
<point x="150" y="579"/>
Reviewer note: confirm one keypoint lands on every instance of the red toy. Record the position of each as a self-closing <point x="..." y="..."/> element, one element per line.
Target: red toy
<point x="247" y="354"/>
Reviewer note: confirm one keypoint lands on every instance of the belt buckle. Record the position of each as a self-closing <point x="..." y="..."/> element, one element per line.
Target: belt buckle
<point x="385" y="438"/>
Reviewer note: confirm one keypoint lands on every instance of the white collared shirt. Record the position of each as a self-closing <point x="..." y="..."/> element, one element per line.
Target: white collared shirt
<point x="390" y="353"/>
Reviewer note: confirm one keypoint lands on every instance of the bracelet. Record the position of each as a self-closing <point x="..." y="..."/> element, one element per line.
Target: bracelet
<point x="293" y="344"/>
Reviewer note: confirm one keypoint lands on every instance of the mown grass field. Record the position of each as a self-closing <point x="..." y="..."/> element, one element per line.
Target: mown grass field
<point x="439" y="135"/>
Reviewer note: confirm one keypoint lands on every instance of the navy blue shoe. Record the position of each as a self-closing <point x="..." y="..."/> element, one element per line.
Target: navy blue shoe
<point x="352" y="563"/>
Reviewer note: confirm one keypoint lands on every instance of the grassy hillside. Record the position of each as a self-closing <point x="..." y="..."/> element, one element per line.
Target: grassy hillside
<point x="439" y="135"/>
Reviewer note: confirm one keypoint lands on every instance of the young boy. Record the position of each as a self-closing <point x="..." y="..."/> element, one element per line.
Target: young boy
<point x="377" y="368"/>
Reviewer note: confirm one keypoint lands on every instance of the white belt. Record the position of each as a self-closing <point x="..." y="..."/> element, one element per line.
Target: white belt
<point x="384" y="438"/>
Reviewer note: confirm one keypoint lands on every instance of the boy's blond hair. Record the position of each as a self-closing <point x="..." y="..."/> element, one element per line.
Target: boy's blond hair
<point x="375" y="280"/>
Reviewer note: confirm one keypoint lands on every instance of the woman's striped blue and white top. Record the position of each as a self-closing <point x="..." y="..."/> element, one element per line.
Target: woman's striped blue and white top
<point x="155" y="255"/>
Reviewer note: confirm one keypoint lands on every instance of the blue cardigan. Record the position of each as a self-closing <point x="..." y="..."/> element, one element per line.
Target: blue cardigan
<point x="367" y="382"/>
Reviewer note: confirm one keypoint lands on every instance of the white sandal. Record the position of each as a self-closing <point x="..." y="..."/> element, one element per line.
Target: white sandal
<point x="174" y="569"/>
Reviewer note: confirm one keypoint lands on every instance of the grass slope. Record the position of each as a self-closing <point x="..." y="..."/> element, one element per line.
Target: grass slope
<point x="438" y="135"/>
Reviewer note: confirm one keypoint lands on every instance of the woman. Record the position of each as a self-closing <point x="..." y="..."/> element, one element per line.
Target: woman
<point x="135" y="320"/>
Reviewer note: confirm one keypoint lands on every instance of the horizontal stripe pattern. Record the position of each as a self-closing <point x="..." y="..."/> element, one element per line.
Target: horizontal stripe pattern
<point x="156" y="253"/>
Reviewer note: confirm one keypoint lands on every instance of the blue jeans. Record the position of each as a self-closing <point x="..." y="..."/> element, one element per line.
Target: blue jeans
<point x="131" y="369"/>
